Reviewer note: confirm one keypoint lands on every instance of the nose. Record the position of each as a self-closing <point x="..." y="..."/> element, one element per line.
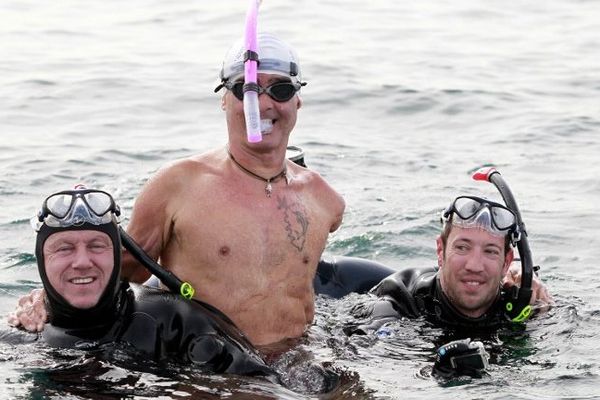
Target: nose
<point x="82" y="257"/>
<point x="265" y="101"/>
<point x="474" y="261"/>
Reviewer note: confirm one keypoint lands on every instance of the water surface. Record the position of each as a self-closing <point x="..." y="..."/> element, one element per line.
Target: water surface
<point x="404" y="101"/>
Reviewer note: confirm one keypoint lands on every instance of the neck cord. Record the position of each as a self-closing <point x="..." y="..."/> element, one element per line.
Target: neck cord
<point x="268" y="187"/>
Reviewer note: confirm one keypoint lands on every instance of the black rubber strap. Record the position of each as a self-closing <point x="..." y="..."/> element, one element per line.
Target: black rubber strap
<point x="251" y="87"/>
<point x="250" y="55"/>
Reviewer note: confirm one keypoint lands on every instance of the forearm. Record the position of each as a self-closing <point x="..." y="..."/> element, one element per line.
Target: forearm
<point x="132" y="270"/>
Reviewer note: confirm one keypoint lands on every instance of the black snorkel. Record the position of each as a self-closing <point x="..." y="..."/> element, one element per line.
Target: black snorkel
<point x="516" y="299"/>
<point x="174" y="284"/>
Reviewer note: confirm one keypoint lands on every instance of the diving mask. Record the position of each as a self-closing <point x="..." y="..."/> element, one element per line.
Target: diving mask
<point x="76" y="207"/>
<point x="476" y="212"/>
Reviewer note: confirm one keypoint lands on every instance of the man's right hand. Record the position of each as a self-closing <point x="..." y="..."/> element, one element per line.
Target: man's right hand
<point x="31" y="313"/>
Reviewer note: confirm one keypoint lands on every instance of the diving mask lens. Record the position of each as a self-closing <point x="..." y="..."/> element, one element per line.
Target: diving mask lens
<point x="76" y="207"/>
<point x="279" y="91"/>
<point x="99" y="202"/>
<point x="58" y="205"/>
<point x="474" y="211"/>
<point x="503" y="218"/>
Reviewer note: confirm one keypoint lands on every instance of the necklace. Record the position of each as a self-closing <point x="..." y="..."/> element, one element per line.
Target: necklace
<point x="268" y="187"/>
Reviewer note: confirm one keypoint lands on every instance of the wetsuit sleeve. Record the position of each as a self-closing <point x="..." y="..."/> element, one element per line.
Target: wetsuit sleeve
<point x="398" y="289"/>
<point x="339" y="276"/>
<point x="395" y="299"/>
<point x="16" y="336"/>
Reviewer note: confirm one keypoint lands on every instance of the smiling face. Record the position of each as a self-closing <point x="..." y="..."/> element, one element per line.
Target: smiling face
<point x="472" y="265"/>
<point x="282" y="115"/>
<point x="79" y="265"/>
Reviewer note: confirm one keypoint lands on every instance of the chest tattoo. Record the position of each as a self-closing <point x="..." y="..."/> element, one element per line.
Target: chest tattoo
<point x="295" y="221"/>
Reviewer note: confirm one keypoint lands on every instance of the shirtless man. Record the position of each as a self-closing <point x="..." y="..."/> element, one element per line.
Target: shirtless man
<point x="245" y="226"/>
<point x="249" y="247"/>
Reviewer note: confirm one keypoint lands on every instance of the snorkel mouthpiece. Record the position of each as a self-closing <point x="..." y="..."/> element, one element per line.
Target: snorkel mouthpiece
<point x="266" y="125"/>
<point x="251" y="109"/>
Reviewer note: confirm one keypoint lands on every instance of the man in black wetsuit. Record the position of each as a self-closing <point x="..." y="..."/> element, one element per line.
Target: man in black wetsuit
<point x="78" y="252"/>
<point x="464" y="292"/>
<point x="474" y="253"/>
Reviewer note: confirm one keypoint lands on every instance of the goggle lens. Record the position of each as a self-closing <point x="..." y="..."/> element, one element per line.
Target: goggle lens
<point x="59" y="204"/>
<point x="279" y="91"/>
<point x="503" y="218"/>
<point x="468" y="207"/>
<point x="99" y="202"/>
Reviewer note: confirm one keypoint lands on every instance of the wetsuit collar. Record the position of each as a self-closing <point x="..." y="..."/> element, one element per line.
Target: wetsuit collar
<point x="445" y="311"/>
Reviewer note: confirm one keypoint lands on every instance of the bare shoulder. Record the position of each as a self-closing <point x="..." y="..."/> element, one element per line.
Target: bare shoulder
<point x="177" y="173"/>
<point x="323" y="193"/>
<point x="155" y="206"/>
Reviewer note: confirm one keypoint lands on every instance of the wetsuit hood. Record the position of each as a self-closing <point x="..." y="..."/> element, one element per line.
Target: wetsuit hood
<point x="63" y="314"/>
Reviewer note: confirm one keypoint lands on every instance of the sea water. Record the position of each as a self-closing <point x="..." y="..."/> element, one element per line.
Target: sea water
<point x="404" y="101"/>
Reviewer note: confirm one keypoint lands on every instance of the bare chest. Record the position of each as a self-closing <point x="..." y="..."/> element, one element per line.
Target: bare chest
<point x="236" y="235"/>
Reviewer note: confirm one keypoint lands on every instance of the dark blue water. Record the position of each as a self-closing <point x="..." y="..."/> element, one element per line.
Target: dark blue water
<point x="404" y="101"/>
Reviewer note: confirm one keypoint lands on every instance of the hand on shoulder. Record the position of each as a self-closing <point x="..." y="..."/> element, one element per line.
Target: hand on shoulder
<point x="30" y="314"/>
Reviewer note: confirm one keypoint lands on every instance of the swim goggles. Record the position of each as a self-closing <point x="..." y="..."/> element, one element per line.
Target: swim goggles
<point x="279" y="91"/>
<point x="76" y="207"/>
<point x="472" y="212"/>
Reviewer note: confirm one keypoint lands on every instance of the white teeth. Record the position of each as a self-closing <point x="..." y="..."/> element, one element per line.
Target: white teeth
<point x="266" y="125"/>
<point x="81" y="281"/>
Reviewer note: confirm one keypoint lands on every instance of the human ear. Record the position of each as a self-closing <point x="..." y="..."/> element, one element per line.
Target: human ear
<point x="440" y="251"/>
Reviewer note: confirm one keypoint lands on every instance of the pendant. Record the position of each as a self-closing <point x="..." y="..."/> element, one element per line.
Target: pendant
<point x="268" y="189"/>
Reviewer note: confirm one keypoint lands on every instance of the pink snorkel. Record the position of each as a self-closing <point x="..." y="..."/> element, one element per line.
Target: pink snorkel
<point x="251" y="111"/>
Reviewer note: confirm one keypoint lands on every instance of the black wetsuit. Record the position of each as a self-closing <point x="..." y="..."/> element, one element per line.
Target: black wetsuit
<point x="338" y="276"/>
<point x="163" y="326"/>
<point x="158" y="324"/>
<point x="416" y="292"/>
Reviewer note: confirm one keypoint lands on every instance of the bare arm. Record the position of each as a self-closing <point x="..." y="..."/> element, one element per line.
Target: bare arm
<point x="332" y="200"/>
<point x="340" y="206"/>
<point x="150" y="224"/>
